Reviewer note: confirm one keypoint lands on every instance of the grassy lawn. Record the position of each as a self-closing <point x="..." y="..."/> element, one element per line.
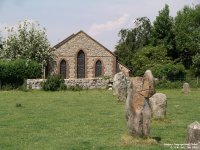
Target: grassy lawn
<point x="86" y="120"/>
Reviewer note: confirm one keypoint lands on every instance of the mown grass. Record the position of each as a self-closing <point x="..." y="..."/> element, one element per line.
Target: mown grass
<point x="87" y="120"/>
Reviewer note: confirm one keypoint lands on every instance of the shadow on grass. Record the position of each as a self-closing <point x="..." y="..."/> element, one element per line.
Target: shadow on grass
<point x="158" y="139"/>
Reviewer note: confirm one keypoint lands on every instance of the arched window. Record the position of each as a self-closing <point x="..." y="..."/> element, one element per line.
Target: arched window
<point x="81" y="64"/>
<point x="98" y="68"/>
<point x="63" y="69"/>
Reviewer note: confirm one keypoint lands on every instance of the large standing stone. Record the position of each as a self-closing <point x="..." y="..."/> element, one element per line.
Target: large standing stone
<point x="137" y="104"/>
<point x="158" y="104"/>
<point x="193" y="135"/>
<point x="120" y="86"/>
<point x="186" y="88"/>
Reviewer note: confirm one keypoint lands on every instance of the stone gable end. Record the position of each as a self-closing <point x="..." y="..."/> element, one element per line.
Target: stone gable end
<point x="93" y="51"/>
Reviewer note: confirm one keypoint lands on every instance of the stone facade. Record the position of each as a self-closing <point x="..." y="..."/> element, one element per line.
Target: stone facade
<point x="68" y="49"/>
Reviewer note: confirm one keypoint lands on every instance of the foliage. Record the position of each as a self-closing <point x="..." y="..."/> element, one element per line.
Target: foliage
<point x="29" y="42"/>
<point x="168" y="42"/>
<point x="133" y="39"/>
<point x="169" y="71"/>
<point x="75" y="88"/>
<point x="165" y="84"/>
<point x="87" y="120"/>
<point x="13" y="73"/>
<point x="187" y="33"/>
<point x="53" y="83"/>
<point x="63" y="87"/>
<point x="148" y="57"/>
<point x="1" y="46"/>
<point x="196" y="64"/>
<point x="162" y="32"/>
<point x="162" y="26"/>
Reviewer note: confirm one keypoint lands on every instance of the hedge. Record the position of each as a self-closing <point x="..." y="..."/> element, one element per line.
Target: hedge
<point x="15" y="72"/>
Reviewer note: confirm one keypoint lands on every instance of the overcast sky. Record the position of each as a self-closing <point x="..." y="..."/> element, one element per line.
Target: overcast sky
<point x="101" y="19"/>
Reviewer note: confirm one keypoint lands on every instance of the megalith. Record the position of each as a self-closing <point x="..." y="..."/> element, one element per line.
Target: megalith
<point x="186" y="88"/>
<point x="158" y="105"/>
<point x="120" y="86"/>
<point x="193" y="135"/>
<point x="138" y="111"/>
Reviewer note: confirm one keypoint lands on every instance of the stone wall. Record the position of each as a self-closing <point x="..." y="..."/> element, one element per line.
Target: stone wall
<point x="84" y="83"/>
<point x="93" y="51"/>
<point x="34" y="83"/>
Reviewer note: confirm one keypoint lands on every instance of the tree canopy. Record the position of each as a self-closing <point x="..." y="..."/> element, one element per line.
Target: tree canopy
<point x="27" y="41"/>
<point x="133" y="39"/>
<point x="175" y="41"/>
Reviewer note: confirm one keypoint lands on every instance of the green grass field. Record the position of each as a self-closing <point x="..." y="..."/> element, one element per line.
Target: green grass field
<point x="87" y="120"/>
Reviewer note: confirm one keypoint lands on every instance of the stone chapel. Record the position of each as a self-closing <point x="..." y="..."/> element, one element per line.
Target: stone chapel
<point x="81" y="56"/>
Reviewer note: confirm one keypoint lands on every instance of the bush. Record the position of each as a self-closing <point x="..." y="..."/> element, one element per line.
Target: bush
<point x="63" y="87"/>
<point x="164" y="84"/>
<point x="169" y="71"/>
<point x="196" y="64"/>
<point x="13" y="73"/>
<point x="76" y="88"/>
<point x="53" y="83"/>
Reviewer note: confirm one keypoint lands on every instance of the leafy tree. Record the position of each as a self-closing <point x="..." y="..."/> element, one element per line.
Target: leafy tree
<point x="162" y="32"/>
<point x="133" y="39"/>
<point x="1" y="46"/>
<point x="196" y="64"/>
<point x="148" y="57"/>
<point x="187" y="33"/>
<point x="29" y="41"/>
<point x="169" y="71"/>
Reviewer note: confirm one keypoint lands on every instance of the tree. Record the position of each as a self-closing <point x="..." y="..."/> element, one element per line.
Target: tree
<point x="148" y="57"/>
<point x="133" y="39"/>
<point x="196" y="64"/>
<point x="187" y="33"/>
<point x="29" y="42"/>
<point x="162" y="32"/>
<point x="1" y="46"/>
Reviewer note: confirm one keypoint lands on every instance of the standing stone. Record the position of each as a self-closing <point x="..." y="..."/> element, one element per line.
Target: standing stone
<point x="134" y="107"/>
<point x="120" y="86"/>
<point x="186" y="88"/>
<point x="158" y="105"/>
<point x="193" y="135"/>
<point x="138" y="112"/>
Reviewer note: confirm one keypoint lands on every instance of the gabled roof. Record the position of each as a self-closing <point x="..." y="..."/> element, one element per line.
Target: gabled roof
<point x="73" y="35"/>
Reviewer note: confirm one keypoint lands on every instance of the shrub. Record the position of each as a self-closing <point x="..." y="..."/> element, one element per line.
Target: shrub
<point x="63" y="87"/>
<point x="196" y="64"/>
<point x="169" y="71"/>
<point x="13" y="73"/>
<point x="165" y="84"/>
<point x="53" y="83"/>
<point x="76" y="88"/>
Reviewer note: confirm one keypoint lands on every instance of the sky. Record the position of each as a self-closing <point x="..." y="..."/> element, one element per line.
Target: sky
<point x="101" y="19"/>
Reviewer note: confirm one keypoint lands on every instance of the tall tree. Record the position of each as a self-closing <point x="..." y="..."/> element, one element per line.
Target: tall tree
<point x="162" y="32"/>
<point x="29" y="41"/>
<point x="196" y="64"/>
<point x="187" y="33"/>
<point x="133" y="39"/>
<point x="1" y="46"/>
